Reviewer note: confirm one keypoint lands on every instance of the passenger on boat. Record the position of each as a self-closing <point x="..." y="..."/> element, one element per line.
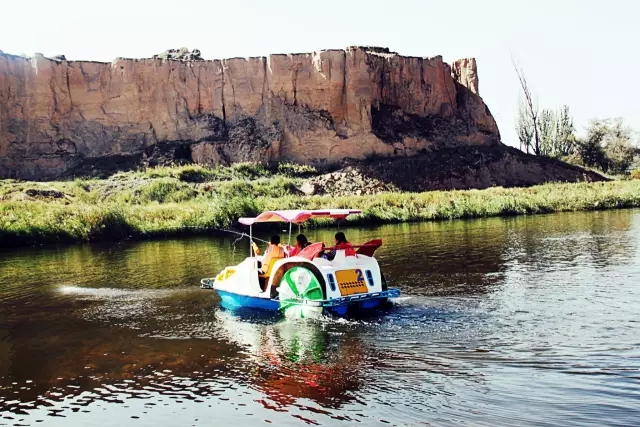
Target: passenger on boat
<point x="341" y="244"/>
<point x="301" y="243"/>
<point x="256" y="249"/>
<point x="273" y="252"/>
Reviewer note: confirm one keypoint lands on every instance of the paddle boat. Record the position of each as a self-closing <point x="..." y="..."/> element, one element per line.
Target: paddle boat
<point x="307" y="284"/>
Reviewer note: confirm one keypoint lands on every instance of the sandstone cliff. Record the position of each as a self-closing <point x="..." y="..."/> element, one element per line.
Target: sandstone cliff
<point x="61" y="118"/>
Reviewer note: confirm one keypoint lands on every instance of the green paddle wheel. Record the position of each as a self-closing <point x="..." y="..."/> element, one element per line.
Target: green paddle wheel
<point x="298" y="285"/>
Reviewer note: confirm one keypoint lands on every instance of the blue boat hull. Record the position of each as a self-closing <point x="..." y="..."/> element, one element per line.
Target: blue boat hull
<point x="231" y="300"/>
<point x="338" y="307"/>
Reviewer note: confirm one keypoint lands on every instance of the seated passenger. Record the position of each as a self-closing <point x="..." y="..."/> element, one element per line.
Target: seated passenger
<point x="301" y="243"/>
<point x="274" y="251"/>
<point x="341" y="244"/>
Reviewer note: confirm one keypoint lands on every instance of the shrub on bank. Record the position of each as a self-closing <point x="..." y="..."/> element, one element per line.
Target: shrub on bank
<point x="249" y="170"/>
<point x="196" y="174"/>
<point x="166" y="190"/>
<point x="295" y="170"/>
<point x="276" y="187"/>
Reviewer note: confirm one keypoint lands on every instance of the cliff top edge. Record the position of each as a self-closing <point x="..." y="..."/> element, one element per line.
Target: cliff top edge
<point x="166" y="56"/>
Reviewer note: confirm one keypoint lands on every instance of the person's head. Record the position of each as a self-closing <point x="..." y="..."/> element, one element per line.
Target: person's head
<point x="302" y="240"/>
<point x="340" y="237"/>
<point x="275" y="239"/>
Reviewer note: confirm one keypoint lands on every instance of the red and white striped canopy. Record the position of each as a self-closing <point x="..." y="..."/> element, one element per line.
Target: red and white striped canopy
<point x="298" y="217"/>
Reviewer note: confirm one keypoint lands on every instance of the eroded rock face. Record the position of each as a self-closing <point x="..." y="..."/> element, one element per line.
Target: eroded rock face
<point x="465" y="72"/>
<point x="62" y="118"/>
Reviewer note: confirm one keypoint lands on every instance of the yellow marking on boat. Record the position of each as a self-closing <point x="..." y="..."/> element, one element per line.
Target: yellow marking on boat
<point x="351" y="282"/>
<point x="225" y="274"/>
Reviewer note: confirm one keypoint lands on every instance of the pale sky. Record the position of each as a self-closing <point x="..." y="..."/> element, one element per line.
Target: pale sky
<point x="580" y="53"/>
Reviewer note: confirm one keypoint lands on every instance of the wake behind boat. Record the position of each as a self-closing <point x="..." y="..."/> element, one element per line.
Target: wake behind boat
<point x="317" y="280"/>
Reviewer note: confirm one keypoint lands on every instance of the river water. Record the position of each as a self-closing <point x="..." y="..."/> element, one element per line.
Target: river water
<point x="520" y="321"/>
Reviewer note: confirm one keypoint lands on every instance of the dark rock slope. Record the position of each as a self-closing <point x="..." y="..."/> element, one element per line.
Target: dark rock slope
<point x="448" y="168"/>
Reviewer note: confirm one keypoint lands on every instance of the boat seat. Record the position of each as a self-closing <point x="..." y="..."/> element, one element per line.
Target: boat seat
<point x="269" y="259"/>
<point x="311" y="251"/>
<point x="267" y="272"/>
<point x="369" y="248"/>
<point x="264" y="277"/>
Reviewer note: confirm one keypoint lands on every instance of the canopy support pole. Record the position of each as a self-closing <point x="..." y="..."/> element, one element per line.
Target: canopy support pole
<point x="250" y="240"/>
<point x="289" y="234"/>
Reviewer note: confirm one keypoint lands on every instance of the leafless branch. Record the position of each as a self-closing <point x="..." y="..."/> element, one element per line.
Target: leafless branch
<point x="530" y="110"/>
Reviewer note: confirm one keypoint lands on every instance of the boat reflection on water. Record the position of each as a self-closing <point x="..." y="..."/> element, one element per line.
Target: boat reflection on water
<point x="297" y="360"/>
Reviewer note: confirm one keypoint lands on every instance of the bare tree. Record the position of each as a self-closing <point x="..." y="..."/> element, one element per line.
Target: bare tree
<point x="528" y="113"/>
<point x="524" y="128"/>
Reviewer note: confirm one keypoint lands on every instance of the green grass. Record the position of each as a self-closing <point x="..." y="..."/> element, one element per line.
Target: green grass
<point x="295" y="170"/>
<point x="195" y="200"/>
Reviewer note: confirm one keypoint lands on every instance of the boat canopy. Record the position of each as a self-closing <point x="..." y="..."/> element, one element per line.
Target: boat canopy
<point x="298" y="217"/>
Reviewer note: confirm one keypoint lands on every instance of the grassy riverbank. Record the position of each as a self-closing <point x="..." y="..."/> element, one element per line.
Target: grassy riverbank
<point x="195" y="200"/>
